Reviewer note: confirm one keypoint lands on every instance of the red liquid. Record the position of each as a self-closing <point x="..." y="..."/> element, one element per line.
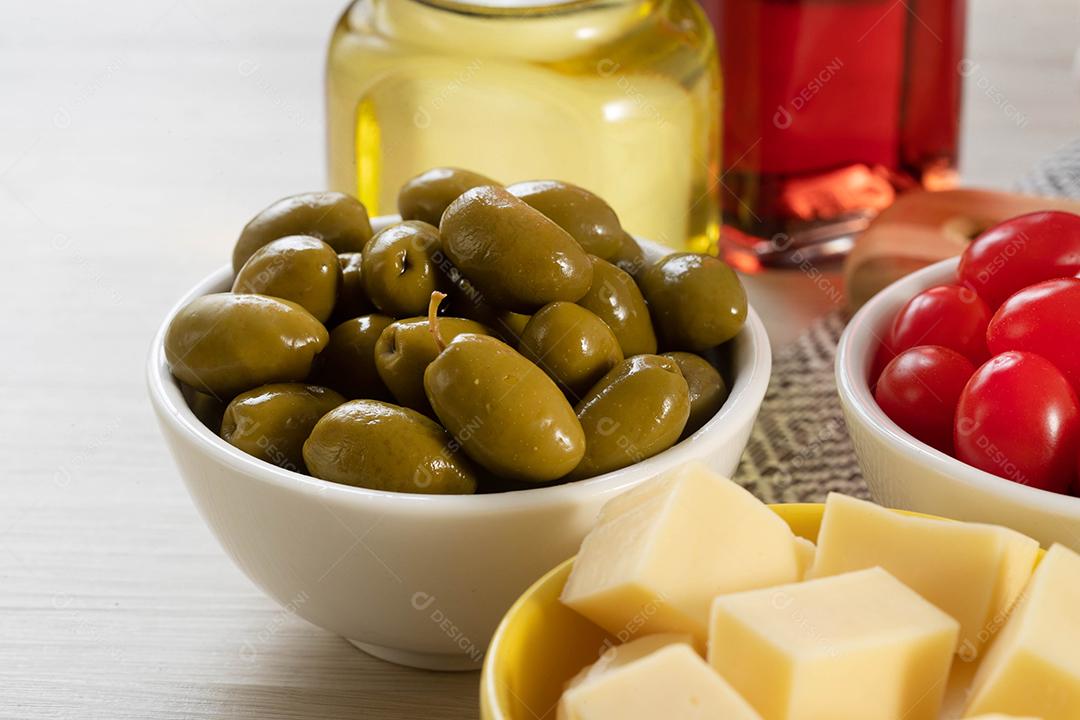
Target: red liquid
<point x="831" y="107"/>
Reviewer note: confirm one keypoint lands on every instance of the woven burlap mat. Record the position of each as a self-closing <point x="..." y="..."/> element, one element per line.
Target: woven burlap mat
<point x="799" y="450"/>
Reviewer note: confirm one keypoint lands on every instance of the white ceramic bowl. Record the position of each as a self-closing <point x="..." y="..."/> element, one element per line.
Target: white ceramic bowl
<point x="905" y="473"/>
<point x="419" y="580"/>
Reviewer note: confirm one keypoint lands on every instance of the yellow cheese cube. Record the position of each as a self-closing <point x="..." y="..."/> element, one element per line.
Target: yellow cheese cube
<point x="999" y="716"/>
<point x="858" y="646"/>
<point x="973" y="572"/>
<point x="673" y="683"/>
<point x="1033" y="667"/>
<point x="661" y="553"/>
<point x="616" y="656"/>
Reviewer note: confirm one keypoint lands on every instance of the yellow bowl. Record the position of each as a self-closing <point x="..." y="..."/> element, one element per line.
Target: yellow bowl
<point x="541" y="643"/>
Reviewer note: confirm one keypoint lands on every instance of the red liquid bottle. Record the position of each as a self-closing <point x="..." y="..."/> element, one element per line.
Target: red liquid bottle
<point x="831" y="108"/>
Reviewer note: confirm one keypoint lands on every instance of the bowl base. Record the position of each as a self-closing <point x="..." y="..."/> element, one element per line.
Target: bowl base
<point x="424" y="661"/>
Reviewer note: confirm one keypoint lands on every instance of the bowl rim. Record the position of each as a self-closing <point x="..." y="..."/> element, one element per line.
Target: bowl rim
<point x="854" y="353"/>
<point x="489" y="672"/>
<point x="750" y="383"/>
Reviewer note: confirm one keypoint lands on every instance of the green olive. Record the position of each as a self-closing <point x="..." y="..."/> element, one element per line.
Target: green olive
<point x="348" y="362"/>
<point x="339" y="220"/>
<point x="398" y="273"/>
<point x="352" y="301"/>
<point x="510" y="325"/>
<point x="629" y="257"/>
<point x="207" y="408"/>
<point x="572" y="345"/>
<point x="273" y="421"/>
<point x="426" y="196"/>
<point x="587" y="218"/>
<point x="708" y="391"/>
<point x="376" y="445"/>
<point x="517" y="258"/>
<point x="696" y="301"/>
<point x="299" y="268"/>
<point x="507" y="414"/>
<point x="405" y="349"/>
<point x="637" y="410"/>
<point x="225" y="343"/>
<point x="616" y="299"/>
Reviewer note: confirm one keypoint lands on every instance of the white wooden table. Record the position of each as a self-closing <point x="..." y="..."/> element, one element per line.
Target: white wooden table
<point x="135" y="139"/>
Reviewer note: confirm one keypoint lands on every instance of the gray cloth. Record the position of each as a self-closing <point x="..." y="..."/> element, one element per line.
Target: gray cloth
<point x="1058" y="175"/>
<point x="799" y="450"/>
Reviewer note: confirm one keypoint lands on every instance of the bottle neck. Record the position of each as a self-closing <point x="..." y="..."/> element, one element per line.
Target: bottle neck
<point x="541" y="31"/>
<point x="511" y="8"/>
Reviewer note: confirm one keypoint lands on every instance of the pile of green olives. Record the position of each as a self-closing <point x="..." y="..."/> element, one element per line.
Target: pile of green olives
<point x="496" y="338"/>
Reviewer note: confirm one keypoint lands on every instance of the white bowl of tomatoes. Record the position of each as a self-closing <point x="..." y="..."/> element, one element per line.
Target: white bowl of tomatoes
<point x="960" y="383"/>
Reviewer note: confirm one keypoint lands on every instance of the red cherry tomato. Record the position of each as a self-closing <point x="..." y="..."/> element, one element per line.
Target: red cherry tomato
<point x="1043" y="319"/>
<point x="946" y="315"/>
<point x="1020" y="252"/>
<point x="1018" y="418"/>
<point x="919" y="391"/>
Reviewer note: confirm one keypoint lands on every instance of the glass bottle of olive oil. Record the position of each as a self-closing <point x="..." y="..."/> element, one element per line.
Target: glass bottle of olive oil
<point x="618" y="96"/>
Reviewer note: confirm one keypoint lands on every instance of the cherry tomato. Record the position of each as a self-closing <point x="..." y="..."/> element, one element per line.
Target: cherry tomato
<point x="1020" y="252"/>
<point x="1043" y="319"/>
<point x="1018" y="418"/>
<point x="919" y="391"/>
<point x="947" y="315"/>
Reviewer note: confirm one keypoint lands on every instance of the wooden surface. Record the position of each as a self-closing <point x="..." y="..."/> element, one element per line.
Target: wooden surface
<point x="135" y="139"/>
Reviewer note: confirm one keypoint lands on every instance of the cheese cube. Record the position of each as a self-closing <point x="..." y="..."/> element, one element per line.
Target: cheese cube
<point x="999" y="716"/>
<point x="973" y="572"/>
<point x="662" y="552"/>
<point x="1033" y="668"/>
<point x="616" y="656"/>
<point x="859" y="646"/>
<point x="673" y="683"/>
